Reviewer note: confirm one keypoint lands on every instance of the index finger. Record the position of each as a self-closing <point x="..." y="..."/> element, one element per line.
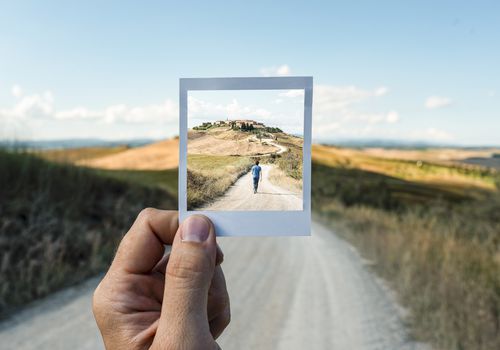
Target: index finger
<point x="142" y="247"/>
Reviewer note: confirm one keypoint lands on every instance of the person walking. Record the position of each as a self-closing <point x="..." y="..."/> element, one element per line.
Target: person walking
<point x="256" y="175"/>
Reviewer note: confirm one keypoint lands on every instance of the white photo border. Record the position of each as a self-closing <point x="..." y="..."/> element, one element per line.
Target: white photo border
<point x="250" y="223"/>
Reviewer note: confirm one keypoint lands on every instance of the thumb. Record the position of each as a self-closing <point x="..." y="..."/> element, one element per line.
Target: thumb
<point x="187" y="280"/>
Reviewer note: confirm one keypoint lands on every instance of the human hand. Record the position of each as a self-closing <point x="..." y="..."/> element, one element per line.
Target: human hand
<point x="151" y="301"/>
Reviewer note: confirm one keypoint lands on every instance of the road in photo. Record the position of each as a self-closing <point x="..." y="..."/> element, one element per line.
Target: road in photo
<point x="268" y="197"/>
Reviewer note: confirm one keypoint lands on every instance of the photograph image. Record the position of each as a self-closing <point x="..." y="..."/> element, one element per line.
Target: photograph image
<point x="245" y="150"/>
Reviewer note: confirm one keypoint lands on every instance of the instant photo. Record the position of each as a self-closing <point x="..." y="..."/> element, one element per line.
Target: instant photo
<point x="245" y="153"/>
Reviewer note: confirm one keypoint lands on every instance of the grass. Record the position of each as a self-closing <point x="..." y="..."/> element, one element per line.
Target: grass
<point x="208" y="176"/>
<point x="289" y="162"/>
<point x="163" y="179"/>
<point x="436" y="241"/>
<point x="417" y="171"/>
<point x="60" y="224"/>
<point x="279" y="178"/>
<point x="73" y="155"/>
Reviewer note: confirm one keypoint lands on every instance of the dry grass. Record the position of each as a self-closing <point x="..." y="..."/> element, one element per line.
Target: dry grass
<point x="60" y="224"/>
<point x="437" y="243"/>
<point x="73" y="155"/>
<point x="426" y="172"/>
<point x="161" y="155"/>
<point x="210" y="176"/>
<point x="289" y="162"/>
<point x="444" y="264"/>
<point x="279" y="178"/>
<point x="222" y="142"/>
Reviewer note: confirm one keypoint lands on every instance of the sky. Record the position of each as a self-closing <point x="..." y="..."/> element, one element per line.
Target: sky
<point x="275" y="108"/>
<point x="394" y="70"/>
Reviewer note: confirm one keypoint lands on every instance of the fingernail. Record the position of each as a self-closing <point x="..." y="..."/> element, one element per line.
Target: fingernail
<point x="195" y="229"/>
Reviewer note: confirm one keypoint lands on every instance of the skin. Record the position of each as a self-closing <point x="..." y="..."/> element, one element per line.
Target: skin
<point x="148" y="300"/>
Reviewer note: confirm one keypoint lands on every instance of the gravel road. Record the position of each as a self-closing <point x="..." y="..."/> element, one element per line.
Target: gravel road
<point x="286" y="293"/>
<point x="240" y="196"/>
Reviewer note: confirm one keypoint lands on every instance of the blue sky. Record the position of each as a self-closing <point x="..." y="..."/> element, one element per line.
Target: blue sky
<point x="405" y="70"/>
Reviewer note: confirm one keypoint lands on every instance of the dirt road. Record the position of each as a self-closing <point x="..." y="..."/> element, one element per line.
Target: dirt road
<point x="240" y="196"/>
<point x="286" y="293"/>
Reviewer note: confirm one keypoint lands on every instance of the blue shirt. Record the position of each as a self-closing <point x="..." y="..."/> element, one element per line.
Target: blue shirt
<point x="256" y="171"/>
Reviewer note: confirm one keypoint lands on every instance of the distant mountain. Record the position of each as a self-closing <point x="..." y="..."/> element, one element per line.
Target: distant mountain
<point x="73" y="143"/>
<point x="395" y="144"/>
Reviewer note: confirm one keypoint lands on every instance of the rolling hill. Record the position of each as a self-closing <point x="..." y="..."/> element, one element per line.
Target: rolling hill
<point x="156" y="156"/>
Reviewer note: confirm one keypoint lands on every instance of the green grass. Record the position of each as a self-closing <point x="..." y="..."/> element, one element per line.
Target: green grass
<point x="208" y="177"/>
<point x="60" y="224"/>
<point x="436" y="242"/>
<point x="163" y="179"/>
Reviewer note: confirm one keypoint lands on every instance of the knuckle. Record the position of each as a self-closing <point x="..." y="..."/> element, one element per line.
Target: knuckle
<point x="97" y="303"/>
<point x="187" y="267"/>
<point x="146" y="213"/>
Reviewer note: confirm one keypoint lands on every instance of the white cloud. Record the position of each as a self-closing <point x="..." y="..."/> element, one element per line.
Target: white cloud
<point x="199" y="109"/>
<point x="332" y="99"/>
<point x="392" y="117"/>
<point x="434" y="102"/>
<point x="36" y="114"/>
<point x="431" y="134"/>
<point x="492" y="93"/>
<point x="335" y="110"/>
<point x="17" y="91"/>
<point x="282" y="70"/>
<point x="30" y="106"/>
<point x="122" y="113"/>
<point x="438" y="135"/>
<point x="292" y="93"/>
<point x="381" y="91"/>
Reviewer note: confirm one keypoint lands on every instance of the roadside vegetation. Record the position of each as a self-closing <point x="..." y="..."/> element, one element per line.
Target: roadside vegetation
<point x="208" y="177"/>
<point x="60" y="224"/>
<point x="289" y="162"/>
<point x="279" y="178"/>
<point x="431" y="230"/>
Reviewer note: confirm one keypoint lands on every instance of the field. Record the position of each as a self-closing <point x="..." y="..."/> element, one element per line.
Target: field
<point x="161" y="155"/>
<point x="74" y="155"/>
<point x="219" y="155"/>
<point x="223" y="142"/>
<point x="431" y="229"/>
<point x="60" y="224"/>
<point x="425" y="220"/>
<point x="210" y="176"/>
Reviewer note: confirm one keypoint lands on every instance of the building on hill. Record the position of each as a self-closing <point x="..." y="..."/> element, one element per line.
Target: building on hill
<point x="240" y="122"/>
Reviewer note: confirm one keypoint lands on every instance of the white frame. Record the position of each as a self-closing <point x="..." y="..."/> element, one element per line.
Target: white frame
<point x="250" y="223"/>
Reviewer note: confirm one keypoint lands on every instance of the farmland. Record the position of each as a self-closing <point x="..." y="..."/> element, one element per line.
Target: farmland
<point x="427" y="224"/>
<point x="432" y="229"/>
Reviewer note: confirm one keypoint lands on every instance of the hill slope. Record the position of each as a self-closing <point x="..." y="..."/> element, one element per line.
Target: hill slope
<point x="156" y="156"/>
<point x="224" y="142"/>
<point x="60" y="224"/>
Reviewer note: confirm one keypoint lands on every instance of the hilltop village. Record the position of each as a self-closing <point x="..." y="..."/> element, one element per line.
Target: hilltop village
<point x="238" y="124"/>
